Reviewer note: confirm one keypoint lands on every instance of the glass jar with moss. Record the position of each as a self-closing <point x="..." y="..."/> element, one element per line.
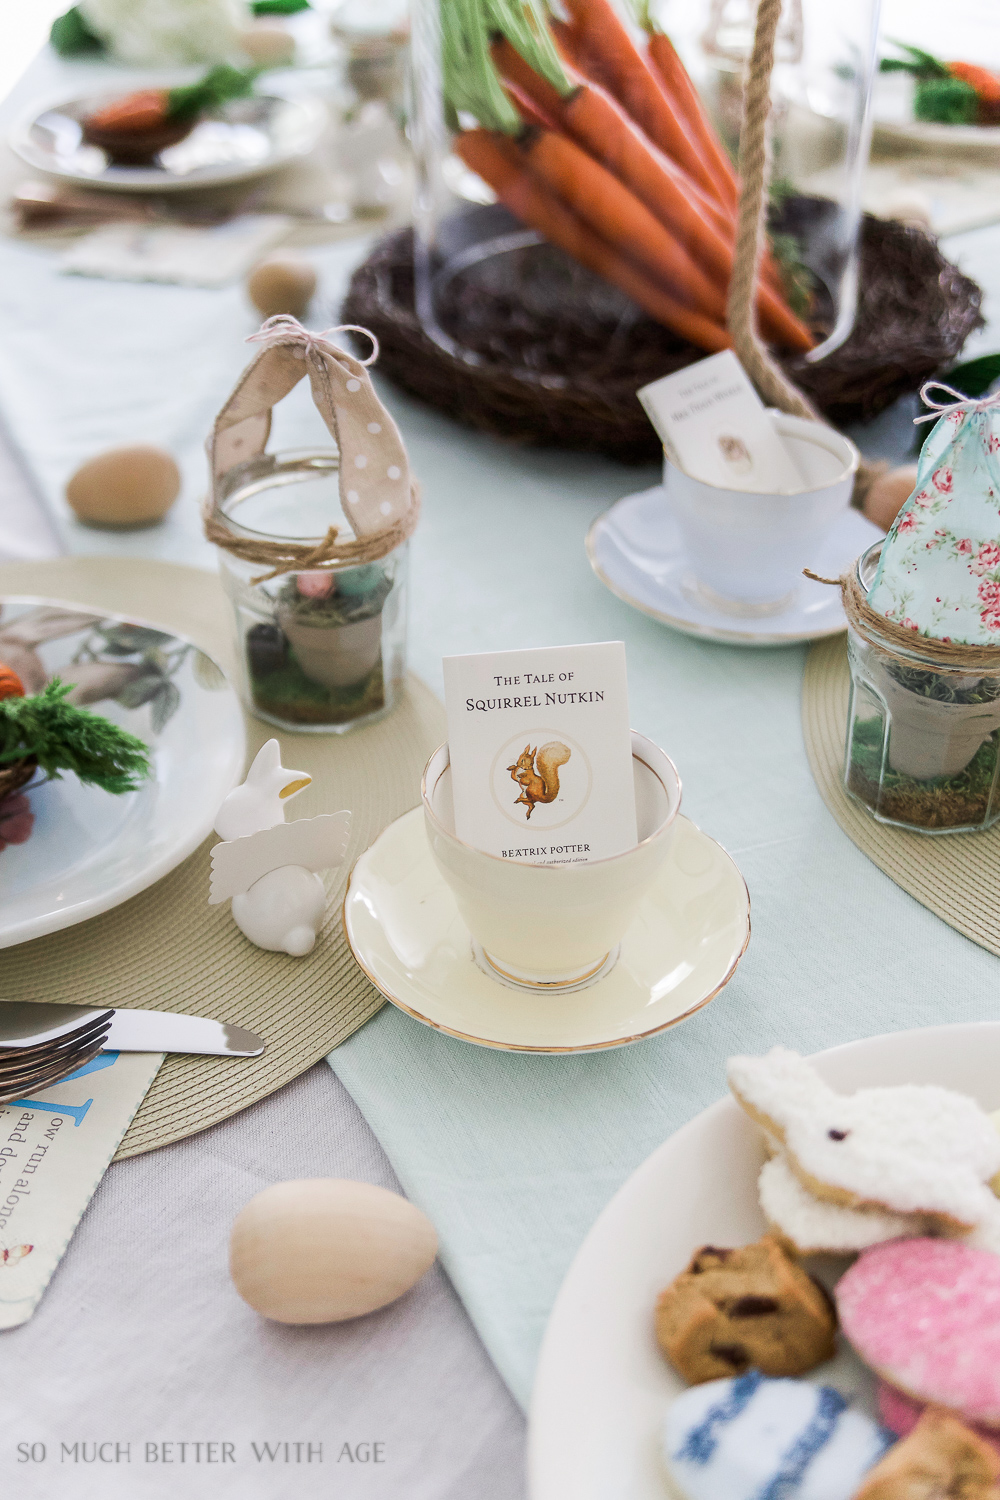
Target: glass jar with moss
<point x="321" y="648"/>
<point x="923" y="726"/>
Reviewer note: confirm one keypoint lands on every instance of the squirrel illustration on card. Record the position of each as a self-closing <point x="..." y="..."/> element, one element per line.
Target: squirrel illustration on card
<point x="537" y="774"/>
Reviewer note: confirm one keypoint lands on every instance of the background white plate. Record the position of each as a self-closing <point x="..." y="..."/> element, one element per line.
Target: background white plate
<point x="245" y="139"/>
<point x="88" y="850"/>
<point x="602" y="1385"/>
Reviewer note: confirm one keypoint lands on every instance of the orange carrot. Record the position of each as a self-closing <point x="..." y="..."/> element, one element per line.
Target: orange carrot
<point x="530" y="112"/>
<point x="985" y="82"/>
<point x="598" y="44"/>
<point x="601" y="201"/>
<point x="145" y="110"/>
<point x="676" y="80"/>
<point x="499" y="162"/>
<point x="677" y="83"/>
<point x="596" y="123"/>
<point x="548" y="99"/>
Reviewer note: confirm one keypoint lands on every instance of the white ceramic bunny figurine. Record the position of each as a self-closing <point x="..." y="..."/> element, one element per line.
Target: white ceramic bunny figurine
<point x="269" y="866"/>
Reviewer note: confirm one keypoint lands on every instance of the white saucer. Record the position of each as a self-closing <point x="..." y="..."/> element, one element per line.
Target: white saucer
<point x="689" y="934"/>
<point x="635" y="548"/>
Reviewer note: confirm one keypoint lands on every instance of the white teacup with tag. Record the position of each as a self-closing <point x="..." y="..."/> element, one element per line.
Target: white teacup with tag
<point x="553" y="927"/>
<point x="546" y="815"/>
<point x="754" y="492"/>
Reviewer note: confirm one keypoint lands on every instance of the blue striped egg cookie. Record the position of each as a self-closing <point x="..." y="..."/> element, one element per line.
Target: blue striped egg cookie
<point x="754" y="1438"/>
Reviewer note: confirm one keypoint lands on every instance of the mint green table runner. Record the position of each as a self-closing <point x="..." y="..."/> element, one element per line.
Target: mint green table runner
<point x="513" y="1157"/>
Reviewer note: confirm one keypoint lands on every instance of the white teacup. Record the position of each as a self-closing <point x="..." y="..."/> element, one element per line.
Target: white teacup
<point x="553" y="927"/>
<point x="747" y="550"/>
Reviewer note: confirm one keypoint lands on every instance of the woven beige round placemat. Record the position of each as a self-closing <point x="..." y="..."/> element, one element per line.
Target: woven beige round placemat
<point x="955" y="875"/>
<point x="167" y="949"/>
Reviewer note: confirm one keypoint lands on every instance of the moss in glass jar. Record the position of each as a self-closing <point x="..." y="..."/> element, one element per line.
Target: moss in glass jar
<point x="327" y="667"/>
<point x="961" y="801"/>
<point x="941" y="722"/>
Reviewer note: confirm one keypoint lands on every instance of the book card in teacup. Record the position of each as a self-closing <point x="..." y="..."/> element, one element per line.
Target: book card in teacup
<point x="541" y="752"/>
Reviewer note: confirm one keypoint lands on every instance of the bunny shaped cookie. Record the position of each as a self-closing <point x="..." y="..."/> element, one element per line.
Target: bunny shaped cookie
<point x="913" y="1149"/>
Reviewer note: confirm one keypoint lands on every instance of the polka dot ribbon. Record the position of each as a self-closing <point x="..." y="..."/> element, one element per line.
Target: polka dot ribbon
<point x="377" y="494"/>
<point x="374" y="472"/>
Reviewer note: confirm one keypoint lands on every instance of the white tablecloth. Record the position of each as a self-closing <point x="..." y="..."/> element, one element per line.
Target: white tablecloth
<point x="141" y="1342"/>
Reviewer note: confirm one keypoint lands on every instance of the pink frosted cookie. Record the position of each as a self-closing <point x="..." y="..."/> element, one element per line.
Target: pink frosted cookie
<point x="901" y="1414"/>
<point x="925" y="1314"/>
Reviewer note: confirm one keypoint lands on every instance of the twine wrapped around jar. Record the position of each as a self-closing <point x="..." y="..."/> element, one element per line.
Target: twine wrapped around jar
<point x="377" y="494"/>
<point x="886" y="634"/>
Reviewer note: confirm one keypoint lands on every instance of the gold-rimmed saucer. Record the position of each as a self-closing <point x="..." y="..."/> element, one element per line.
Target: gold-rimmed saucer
<point x="689" y="934"/>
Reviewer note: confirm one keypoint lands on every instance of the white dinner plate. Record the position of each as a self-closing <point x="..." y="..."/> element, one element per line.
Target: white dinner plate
<point x="602" y="1387"/>
<point x="89" y="850"/>
<point x="244" y="139"/>
<point x="894" y="125"/>
<point x="926" y="135"/>
<point x="636" y="550"/>
<point x="690" y="932"/>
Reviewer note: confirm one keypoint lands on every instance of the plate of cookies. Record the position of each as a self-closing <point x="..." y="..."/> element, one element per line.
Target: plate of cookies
<point x="797" y="1296"/>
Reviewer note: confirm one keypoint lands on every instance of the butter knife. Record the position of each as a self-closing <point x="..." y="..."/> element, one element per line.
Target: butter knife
<point x="23" y="1024"/>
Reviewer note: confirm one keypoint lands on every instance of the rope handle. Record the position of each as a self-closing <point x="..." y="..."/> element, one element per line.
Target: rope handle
<point x="751" y="234"/>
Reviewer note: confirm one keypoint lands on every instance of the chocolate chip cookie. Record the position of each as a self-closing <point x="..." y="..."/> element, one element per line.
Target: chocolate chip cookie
<point x="736" y="1310"/>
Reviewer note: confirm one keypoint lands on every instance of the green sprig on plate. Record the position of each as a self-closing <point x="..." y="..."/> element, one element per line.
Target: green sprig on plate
<point x="947" y="93"/>
<point x="61" y="737"/>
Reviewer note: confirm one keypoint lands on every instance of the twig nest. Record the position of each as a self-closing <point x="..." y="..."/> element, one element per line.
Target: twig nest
<point x="124" y="487"/>
<point x="888" y="493"/>
<point x="281" y="284"/>
<point x="319" y="1250"/>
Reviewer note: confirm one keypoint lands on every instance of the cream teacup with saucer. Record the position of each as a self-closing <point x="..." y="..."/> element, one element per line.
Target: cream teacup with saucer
<point x="549" y="958"/>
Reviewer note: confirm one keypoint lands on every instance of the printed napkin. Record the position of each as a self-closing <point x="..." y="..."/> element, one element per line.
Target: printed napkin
<point x="54" y="1149"/>
<point x="939" y="572"/>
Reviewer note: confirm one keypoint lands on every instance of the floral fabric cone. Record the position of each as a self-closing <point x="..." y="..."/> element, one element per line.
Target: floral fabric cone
<point x="939" y="572"/>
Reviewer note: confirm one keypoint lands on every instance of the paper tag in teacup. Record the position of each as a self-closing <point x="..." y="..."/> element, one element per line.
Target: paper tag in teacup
<point x="541" y="752"/>
<point x="714" y="426"/>
<point x="55" y="1146"/>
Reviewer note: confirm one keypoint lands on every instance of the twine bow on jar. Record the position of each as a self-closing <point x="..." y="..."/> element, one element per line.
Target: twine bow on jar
<point x="378" y="497"/>
<point x="962" y="403"/>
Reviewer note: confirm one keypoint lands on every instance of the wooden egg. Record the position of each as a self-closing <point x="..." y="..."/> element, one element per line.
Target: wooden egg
<point x="268" y="44"/>
<point x="321" y="1249"/>
<point x="281" y="284"/>
<point x="124" y="487"/>
<point x="887" y="494"/>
